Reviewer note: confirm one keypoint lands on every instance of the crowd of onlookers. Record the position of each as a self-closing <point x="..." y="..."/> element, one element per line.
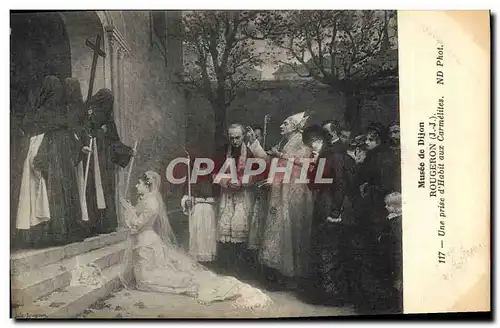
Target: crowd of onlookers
<point x="356" y="233"/>
<point x="346" y="250"/>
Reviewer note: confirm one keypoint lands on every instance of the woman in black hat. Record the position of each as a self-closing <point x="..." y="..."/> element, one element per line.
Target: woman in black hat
<point x="376" y="181"/>
<point x="326" y="281"/>
<point x="352" y="216"/>
<point x="375" y="171"/>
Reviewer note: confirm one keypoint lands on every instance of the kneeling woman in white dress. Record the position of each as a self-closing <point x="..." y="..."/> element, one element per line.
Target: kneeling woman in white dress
<point x="159" y="265"/>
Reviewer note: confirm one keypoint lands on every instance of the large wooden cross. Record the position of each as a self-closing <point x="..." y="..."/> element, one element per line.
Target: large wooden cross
<point x="96" y="53"/>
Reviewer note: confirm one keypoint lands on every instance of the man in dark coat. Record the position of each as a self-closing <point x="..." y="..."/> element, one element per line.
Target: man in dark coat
<point x="333" y="130"/>
<point x="395" y="149"/>
<point x="345" y="135"/>
<point x="327" y="284"/>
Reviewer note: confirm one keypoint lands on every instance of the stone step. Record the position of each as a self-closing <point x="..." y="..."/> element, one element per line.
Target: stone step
<point x="26" y="260"/>
<point x="71" y="301"/>
<point x="30" y="285"/>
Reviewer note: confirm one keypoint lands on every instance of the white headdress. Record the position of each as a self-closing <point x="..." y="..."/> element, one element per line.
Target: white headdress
<point x="298" y="120"/>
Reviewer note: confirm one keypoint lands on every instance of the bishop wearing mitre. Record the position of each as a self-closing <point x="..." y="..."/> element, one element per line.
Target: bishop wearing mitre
<point x="285" y="242"/>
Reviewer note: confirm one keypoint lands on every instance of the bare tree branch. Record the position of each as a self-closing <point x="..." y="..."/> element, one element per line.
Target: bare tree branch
<point x="294" y="68"/>
<point x="222" y="51"/>
<point x="331" y="50"/>
<point x="355" y="42"/>
<point x="301" y="60"/>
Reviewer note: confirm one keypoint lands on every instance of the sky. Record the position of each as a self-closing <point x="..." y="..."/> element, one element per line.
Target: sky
<point x="267" y="72"/>
<point x="269" y="68"/>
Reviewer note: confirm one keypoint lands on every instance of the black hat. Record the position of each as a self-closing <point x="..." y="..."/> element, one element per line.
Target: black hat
<point x="380" y="129"/>
<point x="314" y="132"/>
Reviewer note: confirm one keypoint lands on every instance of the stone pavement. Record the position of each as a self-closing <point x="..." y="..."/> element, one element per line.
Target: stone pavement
<point x="136" y="304"/>
<point x="42" y="287"/>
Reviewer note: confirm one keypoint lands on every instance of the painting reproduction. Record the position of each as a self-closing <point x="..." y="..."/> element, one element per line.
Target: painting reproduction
<point x="205" y="164"/>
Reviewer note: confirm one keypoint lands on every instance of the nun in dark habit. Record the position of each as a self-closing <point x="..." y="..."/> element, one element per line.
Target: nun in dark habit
<point x="49" y="204"/>
<point x="107" y="153"/>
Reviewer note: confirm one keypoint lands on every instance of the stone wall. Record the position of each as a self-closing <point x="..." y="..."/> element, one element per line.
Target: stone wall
<point x="281" y="99"/>
<point x="82" y="26"/>
<point x="149" y="108"/>
<point x="155" y="107"/>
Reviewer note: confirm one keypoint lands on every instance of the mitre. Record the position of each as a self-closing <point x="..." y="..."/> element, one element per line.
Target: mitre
<point x="298" y="119"/>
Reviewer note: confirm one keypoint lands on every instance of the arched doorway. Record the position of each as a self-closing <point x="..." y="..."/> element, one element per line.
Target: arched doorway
<point x="54" y="43"/>
<point x="39" y="46"/>
<point x="82" y="26"/>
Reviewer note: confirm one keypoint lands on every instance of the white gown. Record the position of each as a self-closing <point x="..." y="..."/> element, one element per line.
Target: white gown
<point x="33" y="207"/>
<point x="287" y="228"/>
<point x="160" y="266"/>
<point x="202" y="228"/>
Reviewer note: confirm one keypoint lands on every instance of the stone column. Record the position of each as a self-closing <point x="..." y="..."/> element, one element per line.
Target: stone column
<point x="124" y="133"/>
<point x="175" y="61"/>
<point x="119" y="51"/>
<point x="122" y="55"/>
<point x="119" y="111"/>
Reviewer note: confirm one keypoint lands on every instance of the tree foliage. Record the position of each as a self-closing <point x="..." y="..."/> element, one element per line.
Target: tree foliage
<point x="354" y="52"/>
<point x="343" y="49"/>
<point x="222" y="55"/>
<point x="351" y="51"/>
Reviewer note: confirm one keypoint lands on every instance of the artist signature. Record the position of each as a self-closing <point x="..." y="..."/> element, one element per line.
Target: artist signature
<point x="21" y="316"/>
